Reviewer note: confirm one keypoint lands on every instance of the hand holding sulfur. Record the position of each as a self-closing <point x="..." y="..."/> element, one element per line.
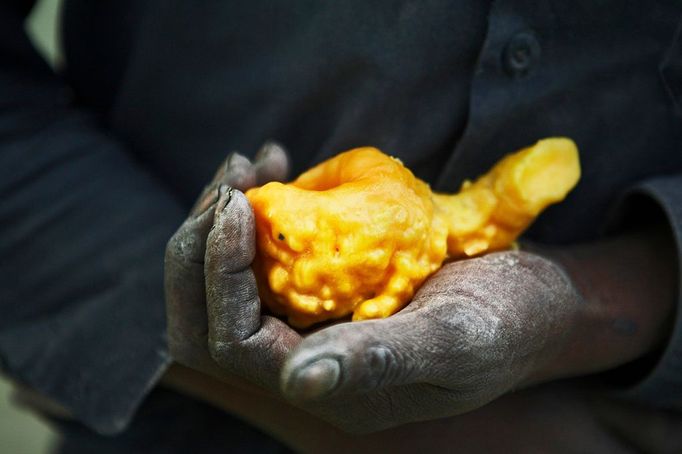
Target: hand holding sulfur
<point x="359" y="233"/>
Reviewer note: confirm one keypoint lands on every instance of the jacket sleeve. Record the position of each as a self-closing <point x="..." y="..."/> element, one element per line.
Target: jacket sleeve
<point x="83" y="229"/>
<point x="662" y="385"/>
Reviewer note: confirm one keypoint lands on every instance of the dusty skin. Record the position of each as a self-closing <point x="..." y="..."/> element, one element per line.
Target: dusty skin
<point x="474" y="331"/>
<point x="359" y="233"/>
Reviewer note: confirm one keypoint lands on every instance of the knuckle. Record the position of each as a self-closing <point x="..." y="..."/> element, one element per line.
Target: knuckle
<point x="388" y="363"/>
<point x="538" y="279"/>
<point x="465" y="339"/>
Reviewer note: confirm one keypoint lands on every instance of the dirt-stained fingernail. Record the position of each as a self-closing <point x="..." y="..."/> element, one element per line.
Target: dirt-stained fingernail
<point x="225" y="195"/>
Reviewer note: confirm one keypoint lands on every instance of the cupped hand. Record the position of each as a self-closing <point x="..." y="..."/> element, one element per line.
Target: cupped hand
<point x="475" y="330"/>
<point x="479" y="328"/>
<point x="213" y="311"/>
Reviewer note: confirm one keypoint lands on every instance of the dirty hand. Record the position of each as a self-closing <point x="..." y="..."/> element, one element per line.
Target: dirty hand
<point x="214" y="320"/>
<point x="466" y="338"/>
<point x="475" y="330"/>
<point x="482" y="327"/>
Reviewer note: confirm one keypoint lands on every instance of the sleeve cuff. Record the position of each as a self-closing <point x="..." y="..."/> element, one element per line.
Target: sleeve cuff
<point x="105" y="384"/>
<point x="100" y="356"/>
<point x="662" y="386"/>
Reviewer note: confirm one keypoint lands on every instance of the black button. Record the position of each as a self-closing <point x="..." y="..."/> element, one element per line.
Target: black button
<point x="521" y="52"/>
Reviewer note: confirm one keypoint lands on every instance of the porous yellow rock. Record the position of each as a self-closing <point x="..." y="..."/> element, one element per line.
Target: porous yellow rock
<point x="359" y="233"/>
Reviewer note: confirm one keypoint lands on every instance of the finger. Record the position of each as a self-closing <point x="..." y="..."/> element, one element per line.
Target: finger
<point x="208" y="196"/>
<point x="239" y="338"/>
<point x="359" y="357"/>
<point x="271" y="163"/>
<point x="240" y="172"/>
<point x="235" y="171"/>
<point x="232" y="296"/>
<point x="212" y="187"/>
<point x="184" y="269"/>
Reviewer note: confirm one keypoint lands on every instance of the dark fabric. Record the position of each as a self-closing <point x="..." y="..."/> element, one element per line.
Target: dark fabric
<point x="205" y="78"/>
<point x="661" y="385"/>
<point x="169" y="423"/>
<point x="597" y="81"/>
<point x="83" y="229"/>
<point x="448" y="87"/>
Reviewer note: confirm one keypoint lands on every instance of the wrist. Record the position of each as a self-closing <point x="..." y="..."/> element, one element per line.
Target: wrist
<point x="628" y="286"/>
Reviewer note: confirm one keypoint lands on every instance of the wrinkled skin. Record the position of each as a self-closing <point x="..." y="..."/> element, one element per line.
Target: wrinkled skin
<point x="474" y="331"/>
<point x="220" y="239"/>
<point x="463" y="341"/>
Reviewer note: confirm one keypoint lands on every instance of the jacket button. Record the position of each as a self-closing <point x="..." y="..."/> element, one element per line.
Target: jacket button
<point x="521" y="53"/>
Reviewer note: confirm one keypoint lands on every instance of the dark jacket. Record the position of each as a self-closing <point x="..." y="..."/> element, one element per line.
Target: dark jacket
<point x="99" y="164"/>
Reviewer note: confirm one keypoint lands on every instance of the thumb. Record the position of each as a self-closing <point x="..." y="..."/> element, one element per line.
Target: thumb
<point x="358" y="357"/>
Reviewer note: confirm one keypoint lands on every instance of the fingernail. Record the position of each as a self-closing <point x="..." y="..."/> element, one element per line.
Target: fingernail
<point x="314" y="380"/>
<point x="225" y="192"/>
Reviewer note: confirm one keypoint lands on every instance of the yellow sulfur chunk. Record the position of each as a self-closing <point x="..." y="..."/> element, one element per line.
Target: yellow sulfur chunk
<point x="359" y="233"/>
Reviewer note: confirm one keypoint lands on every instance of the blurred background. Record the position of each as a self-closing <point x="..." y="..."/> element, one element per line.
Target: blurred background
<point x="21" y="432"/>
